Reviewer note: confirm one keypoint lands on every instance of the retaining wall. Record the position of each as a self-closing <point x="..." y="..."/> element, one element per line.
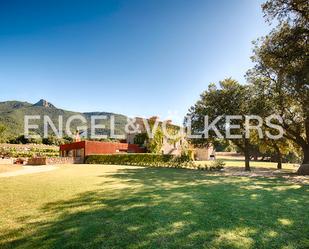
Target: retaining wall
<point x="54" y="160"/>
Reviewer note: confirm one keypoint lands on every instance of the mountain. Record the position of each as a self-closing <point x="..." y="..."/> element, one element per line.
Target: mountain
<point x="44" y="103"/>
<point x="10" y="105"/>
<point x="12" y="115"/>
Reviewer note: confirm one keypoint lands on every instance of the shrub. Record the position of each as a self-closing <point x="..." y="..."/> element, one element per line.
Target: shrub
<point x="217" y="165"/>
<point x="184" y="158"/>
<point x="191" y="155"/>
<point x="201" y="167"/>
<point x="139" y="159"/>
<point x="28" y="151"/>
<point x="152" y="160"/>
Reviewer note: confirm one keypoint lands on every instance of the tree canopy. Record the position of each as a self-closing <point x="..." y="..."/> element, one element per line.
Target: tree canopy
<point x="278" y="84"/>
<point x="281" y="71"/>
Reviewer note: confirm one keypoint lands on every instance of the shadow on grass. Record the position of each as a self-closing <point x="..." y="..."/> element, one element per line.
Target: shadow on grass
<point x="170" y="208"/>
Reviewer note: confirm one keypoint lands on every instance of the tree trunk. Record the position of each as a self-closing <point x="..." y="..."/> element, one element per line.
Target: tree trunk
<point x="304" y="168"/>
<point x="247" y="162"/>
<point x="306" y="155"/>
<point x="247" y="156"/>
<point x="279" y="161"/>
<point x="279" y="157"/>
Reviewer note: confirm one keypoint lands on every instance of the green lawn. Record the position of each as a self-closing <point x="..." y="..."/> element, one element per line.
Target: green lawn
<point x="93" y="206"/>
<point x="254" y="164"/>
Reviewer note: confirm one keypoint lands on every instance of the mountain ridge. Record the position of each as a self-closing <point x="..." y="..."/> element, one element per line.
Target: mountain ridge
<point x="44" y="103"/>
<point x="12" y="114"/>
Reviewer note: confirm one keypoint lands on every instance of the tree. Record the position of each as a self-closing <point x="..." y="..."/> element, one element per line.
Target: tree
<point x="52" y="140"/>
<point x="231" y="98"/>
<point x="23" y="140"/>
<point x="281" y="69"/>
<point x="141" y="139"/>
<point x="295" y="12"/>
<point x="155" y="143"/>
<point x="279" y="148"/>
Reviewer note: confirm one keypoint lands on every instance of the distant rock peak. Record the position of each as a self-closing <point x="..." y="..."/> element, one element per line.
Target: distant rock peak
<point x="44" y="103"/>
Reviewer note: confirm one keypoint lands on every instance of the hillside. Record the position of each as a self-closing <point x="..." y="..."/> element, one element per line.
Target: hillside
<point x="12" y="117"/>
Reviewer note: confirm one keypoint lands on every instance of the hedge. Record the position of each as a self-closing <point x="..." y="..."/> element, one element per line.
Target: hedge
<point x="153" y="160"/>
<point x="138" y="159"/>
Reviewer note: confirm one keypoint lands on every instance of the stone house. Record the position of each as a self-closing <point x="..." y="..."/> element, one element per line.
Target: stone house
<point x="175" y="147"/>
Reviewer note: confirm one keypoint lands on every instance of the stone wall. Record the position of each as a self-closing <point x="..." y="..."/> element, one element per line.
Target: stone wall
<point x="203" y="154"/>
<point x="54" y="160"/>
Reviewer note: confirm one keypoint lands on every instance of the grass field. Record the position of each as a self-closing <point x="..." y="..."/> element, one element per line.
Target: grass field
<point x="83" y="206"/>
<point x="253" y="164"/>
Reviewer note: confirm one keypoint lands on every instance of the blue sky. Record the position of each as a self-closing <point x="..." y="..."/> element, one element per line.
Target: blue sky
<point x="147" y="57"/>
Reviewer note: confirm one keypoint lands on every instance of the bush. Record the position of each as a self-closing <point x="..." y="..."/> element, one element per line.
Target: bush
<point x="129" y="159"/>
<point x="139" y="159"/>
<point x="27" y="151"/>
<point x="152" y="160"/>
<point x="217" y="165"/>
<point x="184" y="158"/>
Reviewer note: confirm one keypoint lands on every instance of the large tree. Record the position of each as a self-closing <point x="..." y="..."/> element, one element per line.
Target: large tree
<point x="231" y="98"/>
<point x="281" y="71"/>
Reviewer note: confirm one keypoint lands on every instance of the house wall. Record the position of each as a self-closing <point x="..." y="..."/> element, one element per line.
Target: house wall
<point x="130" y="138"/>
<point x="93" y="148"/>
<point x="173" y="148"/>
<point x="167" y="147"/>
<point x="203" y="154"/>
<point x="140" y="124"/>
<point x="85" y="148"/>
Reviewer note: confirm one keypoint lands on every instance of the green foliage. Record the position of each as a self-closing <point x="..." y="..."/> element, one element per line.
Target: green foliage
<point x="155" y="144"/>
<point x="12" y="116"/>
<point x="53" y="140"/>
<point x="23" y="140"/>
<point x="2" y="130"/>
<point x="295" y="12"/>
<point x="280" y="75"/>
<point x="224" y="145"/>
<point x="185" y="157"/>
<point x="18" y="152"/>
<point x="230" y="98"/>
<point x="217" y="164"/>
<point x="139" y="159"/>
<point x="190" y="154"/>
<point x="140" y="139"/>
<point x="279" y="84"/>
